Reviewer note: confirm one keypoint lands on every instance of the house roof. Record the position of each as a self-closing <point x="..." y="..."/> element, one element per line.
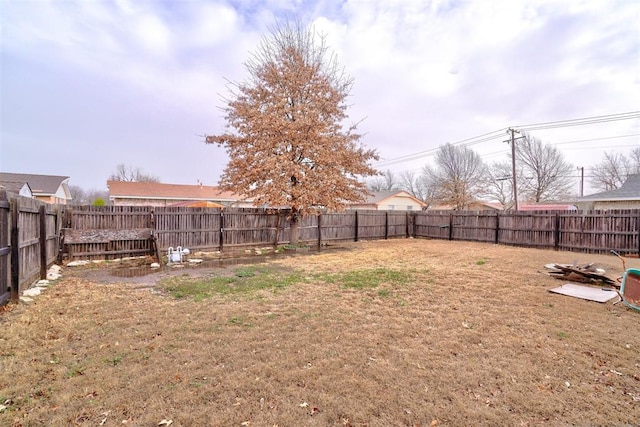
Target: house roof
<point x="377" y="197"/>
<point x="155" y="190"/>
<point x="630" y="190"/>
<point x="13" y="186"/>
<point x="546" y="207"/>
<point x="197" y="204"/>
<point x="39" y="184"/>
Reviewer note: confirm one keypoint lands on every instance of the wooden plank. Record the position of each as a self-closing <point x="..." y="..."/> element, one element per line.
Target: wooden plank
<point x="15" y="253"/>
<point x="102" y="253"/>
<point x="5" y="249"/>
<point x="356" y="226"/>
<point x="72" y="236"/>
<point x="42" y="239"/>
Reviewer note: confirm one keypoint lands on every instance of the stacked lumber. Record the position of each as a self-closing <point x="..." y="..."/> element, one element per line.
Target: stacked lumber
<point x="587" y="273"/>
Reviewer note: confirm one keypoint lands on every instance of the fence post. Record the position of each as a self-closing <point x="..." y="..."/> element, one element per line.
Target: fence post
<point x="451" y="226"/>
<point x="638" y="234"/>
<point x="386" y="225"/>
<point x="221" y="229"/>
<point x="356" y="221"/>
<point x="319" y="231"/>
<point x="43" y="241"/>
<point x="556" y="232"/>
<point x="275" y="244"/>
<point x="15" y="253"/>
<point x="68" y="217"/>
<point x="5" y="249"/>
<point x="497" y="237"/>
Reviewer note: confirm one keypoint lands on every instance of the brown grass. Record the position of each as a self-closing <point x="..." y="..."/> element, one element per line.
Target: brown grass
<point x="473" y="338"/>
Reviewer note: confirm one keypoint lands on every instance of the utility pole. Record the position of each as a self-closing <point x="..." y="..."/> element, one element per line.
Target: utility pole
<point x="581" y="169"/>
<point x="513" y="166"/>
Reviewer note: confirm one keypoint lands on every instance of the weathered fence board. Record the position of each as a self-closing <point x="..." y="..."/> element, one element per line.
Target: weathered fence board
<point x="194" y="228"/>
<point x="583" y="231"/>
<point x="207" y="228"/>
<point x="5" y="249"/>
<point x="595" y="231"/>
<point x="28" y="243"/>
<point x="29" y="238"/>
<point x="435" y="225"/>
<point x="338" y="226"/>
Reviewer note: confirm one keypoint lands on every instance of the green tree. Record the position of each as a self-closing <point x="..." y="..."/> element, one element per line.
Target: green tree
<point x="286" y="135"/>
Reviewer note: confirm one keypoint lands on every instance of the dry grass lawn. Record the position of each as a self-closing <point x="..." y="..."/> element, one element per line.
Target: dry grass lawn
<point x="386" y="333"/>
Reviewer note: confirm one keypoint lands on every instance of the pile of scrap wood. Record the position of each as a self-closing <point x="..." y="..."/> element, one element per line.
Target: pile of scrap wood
<point x="587" y="273"/>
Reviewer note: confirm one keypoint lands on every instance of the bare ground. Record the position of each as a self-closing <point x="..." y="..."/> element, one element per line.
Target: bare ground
<point x="473" y="338"/>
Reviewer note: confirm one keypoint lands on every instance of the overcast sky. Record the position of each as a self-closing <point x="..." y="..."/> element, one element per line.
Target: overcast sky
<point x="86" y="85"/>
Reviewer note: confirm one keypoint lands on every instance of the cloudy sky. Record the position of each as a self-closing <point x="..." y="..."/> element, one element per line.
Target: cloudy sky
<point x="87" y="85"/>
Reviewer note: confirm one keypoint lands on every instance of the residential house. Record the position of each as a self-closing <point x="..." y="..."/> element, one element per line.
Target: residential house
<point x="122" y="193"/>
<point x="46" y="188"/>
<point x="390" y="201"/>
<point x="625" y="197"/>
<point x="16" y="188"/>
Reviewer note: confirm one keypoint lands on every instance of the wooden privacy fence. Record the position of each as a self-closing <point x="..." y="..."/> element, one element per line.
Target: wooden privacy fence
<point x="32" y="232"/>
<point x="110" y="232"/>
<point x="29" y="232"/>
<point x="117" y="231"/>
<point x="581" y="231"/>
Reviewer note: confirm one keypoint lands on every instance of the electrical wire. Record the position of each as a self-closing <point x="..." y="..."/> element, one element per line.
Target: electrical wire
<point x="535" y="126"/>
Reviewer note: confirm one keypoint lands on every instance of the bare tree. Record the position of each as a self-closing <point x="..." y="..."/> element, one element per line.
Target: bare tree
<point x="286" y="138"/>
<point x="428" y="189"/>
<point x="611" y="172"/>
<point x="614" y="170"/>
<point x="385" y="182"/>
<point x="499" y="183"/>
<point x="81" y="196"/>
<point x="131" y="174"/>
<point x="410" y="182"/>
<point x="457" y="176"/>
<point x="419" y="186"/>
<point x="635" y="160"/>
<point x="547" y="174"/>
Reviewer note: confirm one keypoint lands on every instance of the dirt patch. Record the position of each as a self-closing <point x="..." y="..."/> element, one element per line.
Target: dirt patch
<point x="472" y="337"/>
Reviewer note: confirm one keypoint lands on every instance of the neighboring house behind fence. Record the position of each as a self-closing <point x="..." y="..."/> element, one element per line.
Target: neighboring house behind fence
<point x="390" y="201"/>
<point x="625" y="197"/>
<point x="122" y="193"/>
<point x="50" y="189"/>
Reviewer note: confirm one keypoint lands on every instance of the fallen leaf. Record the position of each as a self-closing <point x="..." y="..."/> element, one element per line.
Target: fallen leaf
<point x="165" y="423"/>
<point x="304" y="404"/>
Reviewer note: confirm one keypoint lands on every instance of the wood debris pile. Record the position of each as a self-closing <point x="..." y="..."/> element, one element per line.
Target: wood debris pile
<point x="587" y="273"/>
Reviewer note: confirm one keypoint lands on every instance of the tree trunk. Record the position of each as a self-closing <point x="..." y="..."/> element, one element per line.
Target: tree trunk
<point x="294" y="231"/>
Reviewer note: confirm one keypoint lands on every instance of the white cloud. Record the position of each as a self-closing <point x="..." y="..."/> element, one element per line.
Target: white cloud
<point x="153" y="35"/>
<point x="426" y="72"/>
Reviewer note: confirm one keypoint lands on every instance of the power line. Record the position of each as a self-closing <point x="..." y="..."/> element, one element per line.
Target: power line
<point x="500" y="132"/>
<point x="583" y="121"/>
<point x="600" y="147"/>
